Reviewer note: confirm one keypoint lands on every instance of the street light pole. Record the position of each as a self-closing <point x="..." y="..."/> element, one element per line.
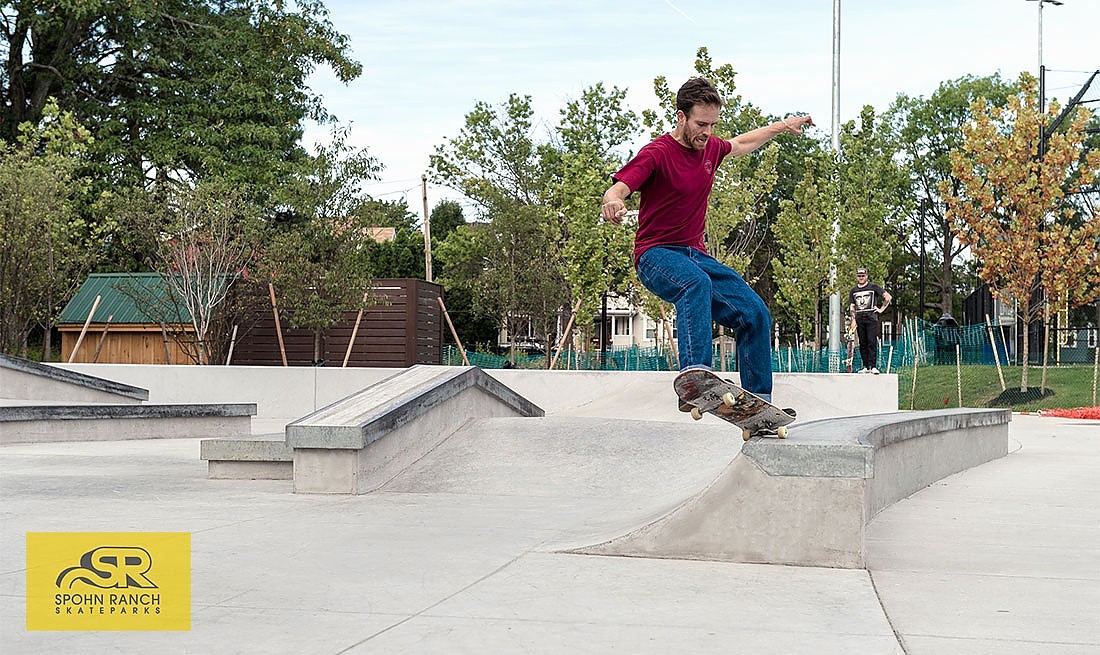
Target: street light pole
<point x="1042" y="81"/>
<point x="834" y="299"/>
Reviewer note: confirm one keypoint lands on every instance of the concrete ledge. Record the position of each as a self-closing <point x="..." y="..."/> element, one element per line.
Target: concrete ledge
<point x="806" y="500"/>
<point x="54" y="423"/>
<point x="22" y="379"/>
<point x="251" y="457"/>
<point x="49" y="412"/>
<point x="357" y="444"/>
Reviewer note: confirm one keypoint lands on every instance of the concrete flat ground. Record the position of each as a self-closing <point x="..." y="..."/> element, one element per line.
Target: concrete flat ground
<point x="464" y="551"/>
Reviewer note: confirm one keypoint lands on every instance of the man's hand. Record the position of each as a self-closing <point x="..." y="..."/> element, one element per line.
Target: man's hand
<point x="614" y="203"/>
<point x="613" y="211"/>
<point x="797" y="122"/>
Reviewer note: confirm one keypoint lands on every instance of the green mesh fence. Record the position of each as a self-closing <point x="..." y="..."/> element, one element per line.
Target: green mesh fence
<point x="930" y="343"/>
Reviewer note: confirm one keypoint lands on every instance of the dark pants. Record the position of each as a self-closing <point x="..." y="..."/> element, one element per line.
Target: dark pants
<point x="867" y="331"/>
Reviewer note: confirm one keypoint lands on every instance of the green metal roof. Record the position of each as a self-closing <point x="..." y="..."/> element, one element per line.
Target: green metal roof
<point x="126" y="298"/>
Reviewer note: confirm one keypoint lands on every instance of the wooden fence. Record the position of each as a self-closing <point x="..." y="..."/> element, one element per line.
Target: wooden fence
<point x="405" y="329"/>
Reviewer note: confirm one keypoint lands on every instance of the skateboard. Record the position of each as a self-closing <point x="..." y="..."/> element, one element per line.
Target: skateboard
<point x="850" y="337"/>
<point x="706" y="393"/>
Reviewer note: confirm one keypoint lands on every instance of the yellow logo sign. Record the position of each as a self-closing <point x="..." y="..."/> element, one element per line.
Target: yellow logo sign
<point x="108" y="581"/>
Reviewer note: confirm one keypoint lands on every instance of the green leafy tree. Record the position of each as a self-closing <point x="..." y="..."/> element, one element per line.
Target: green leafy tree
<point x="928" y="130"/>
<point x="445" y="218"/>
<point x="319" y="260"/>
<point x="46" y="248"/>
<point x="496" y="163"/>
<point x="874" y="200"/>
<point x="175" y="89"/>
<point x="173" y="92"/>
<point x="591" y="135"/>
<point x="804" y="232"/>
<point x="403" y="255"/>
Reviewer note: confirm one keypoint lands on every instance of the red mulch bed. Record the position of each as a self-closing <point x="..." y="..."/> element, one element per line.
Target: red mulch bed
<point x="1080" y="412"/>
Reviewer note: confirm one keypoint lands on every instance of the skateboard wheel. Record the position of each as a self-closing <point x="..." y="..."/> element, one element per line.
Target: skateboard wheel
<point x="696" y="414"/>
<point x="745" y="434"/>
<point x="781" y="432"/>
<point x="728" y="399"/>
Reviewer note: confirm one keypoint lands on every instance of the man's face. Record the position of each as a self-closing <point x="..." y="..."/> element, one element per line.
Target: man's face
<point x="697" y="125"/>
<point x="861" y="278"/>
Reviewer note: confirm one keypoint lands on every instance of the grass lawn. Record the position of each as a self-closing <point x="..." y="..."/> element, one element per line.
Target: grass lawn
<point x="938" y="387"/>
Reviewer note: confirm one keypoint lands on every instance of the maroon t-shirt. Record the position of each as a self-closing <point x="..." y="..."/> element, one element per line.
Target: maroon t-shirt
<point x="675" y="183"/>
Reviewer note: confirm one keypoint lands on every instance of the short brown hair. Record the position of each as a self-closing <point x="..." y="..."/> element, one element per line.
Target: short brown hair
<point x="697" y="91"/>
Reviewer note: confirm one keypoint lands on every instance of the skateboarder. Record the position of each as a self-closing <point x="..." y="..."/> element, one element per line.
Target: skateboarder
<point x="674" y="174"/>
<point x="863" y="302"/>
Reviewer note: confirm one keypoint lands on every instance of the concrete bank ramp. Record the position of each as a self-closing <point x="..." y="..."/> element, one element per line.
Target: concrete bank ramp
<point x="634" y="472"/>
<point x="687" y="490"/>
<point x="806" y="500"/>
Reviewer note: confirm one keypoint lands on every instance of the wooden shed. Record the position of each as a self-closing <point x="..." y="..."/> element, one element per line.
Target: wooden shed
<point x="135" y="321"/>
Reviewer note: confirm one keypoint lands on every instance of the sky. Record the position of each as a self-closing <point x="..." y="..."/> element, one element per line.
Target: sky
<point x="426" y="63"/>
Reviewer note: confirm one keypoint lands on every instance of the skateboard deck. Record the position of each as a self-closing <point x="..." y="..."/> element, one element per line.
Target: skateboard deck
<point x="850" y="337"/>
<point x="706" y="393"/>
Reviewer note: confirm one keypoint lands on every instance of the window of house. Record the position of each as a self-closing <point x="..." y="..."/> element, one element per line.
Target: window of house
<point x="622" y="326"/>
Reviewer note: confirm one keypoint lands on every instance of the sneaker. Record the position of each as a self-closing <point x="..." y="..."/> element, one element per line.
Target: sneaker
<point x="874" y="370"/>
<point x="864" y="370"/>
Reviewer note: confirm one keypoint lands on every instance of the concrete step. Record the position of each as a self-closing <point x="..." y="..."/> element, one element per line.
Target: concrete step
<point x="248" y="457"/>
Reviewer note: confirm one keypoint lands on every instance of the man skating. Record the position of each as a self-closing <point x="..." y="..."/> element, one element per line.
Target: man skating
<point x="675" y="174"/>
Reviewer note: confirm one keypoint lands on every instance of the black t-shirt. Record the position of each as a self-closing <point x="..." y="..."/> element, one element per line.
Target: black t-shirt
<point x="865" y="299"/>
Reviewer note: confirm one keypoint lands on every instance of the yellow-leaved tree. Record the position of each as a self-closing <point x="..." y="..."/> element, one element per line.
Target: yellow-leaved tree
<point x="1020" y="213"/>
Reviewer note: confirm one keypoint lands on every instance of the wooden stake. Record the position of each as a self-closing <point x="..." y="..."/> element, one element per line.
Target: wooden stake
<point x="84" y="330"/>
<point x="99" y="346"/>
<point x="354" y="333"/>
<point x="278" y="327"/>
<point x="164" y="340"/>
<point x="232" y="343"/>
<point x="453" y="333"/>
<point x="996" y="355"/>
<point x="565" y="335"/>
<point x="959" y="372"/>
<point x="671" y="341"/>
<point x="916" y="356"/>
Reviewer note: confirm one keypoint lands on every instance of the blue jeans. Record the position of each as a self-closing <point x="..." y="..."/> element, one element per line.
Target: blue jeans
<point x="705" y="291"/>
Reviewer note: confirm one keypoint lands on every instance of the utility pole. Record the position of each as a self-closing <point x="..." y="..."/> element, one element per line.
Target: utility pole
<point x="427" y="231"/>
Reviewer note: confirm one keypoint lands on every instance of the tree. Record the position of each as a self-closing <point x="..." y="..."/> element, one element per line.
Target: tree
<point x="403" y="255"/>
<point x="175" y="89"/>
<point x="873" y="198"/>
<point x="318" y="260"/>
<point x="445" y="218"/>
<point x="928" y="130"/>
<point x="46" y="248"/>
<point x="512" y="262"/>
<point x="598" y="256"/>
<point x="804" y="232"/>
<point x="205" y="239"/>
<point x="1010" y="206"/>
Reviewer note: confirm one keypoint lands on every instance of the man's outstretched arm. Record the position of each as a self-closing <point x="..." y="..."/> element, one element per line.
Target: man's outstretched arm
<point x="745" y="143"/>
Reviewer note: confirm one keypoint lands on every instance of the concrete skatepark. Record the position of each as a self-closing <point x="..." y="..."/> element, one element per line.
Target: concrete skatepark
<point x="486" y="541"/>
